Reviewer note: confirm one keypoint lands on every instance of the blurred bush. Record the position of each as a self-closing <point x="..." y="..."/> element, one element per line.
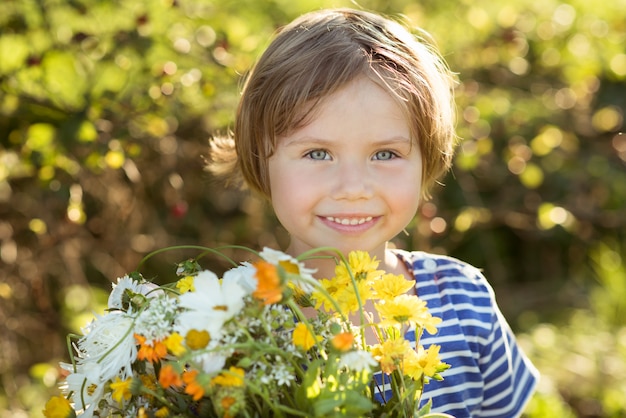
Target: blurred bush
<point x="105" y="111"/>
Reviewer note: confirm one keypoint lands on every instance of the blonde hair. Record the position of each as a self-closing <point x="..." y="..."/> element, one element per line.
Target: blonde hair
<point x="316" y="55"/>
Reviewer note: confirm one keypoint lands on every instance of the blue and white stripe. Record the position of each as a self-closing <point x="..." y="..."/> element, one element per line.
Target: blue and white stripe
<point x="489" y="376"/>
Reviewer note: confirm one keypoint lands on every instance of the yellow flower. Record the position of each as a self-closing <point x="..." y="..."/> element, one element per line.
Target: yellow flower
<point x="347" y="297"/>
<point x="301" y="297"/>
<point x="121" y="389"/>
<point x="232" y="378"/>
<point x="429" y="359"/>
<point x="362" y="266"/>
<point x="392" y="285"/>
<point x="174" y="344"/>
<point x="424" y="362"/>
<point x="58" y="407"/>
<point x="303" y="338"/>
<point x="186" y="284"/>
<point x="320" y="299"/>
<point x="162" y="412"/>
<point x="391" y="354"/>
<point x="149" y="382"/>
<point x="407" y="310"/>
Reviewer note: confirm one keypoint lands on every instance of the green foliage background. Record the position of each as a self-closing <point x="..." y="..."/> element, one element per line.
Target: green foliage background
<point x="106" y="108"/>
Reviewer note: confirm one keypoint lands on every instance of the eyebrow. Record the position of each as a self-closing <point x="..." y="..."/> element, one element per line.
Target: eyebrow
<point x="322" y="142"/>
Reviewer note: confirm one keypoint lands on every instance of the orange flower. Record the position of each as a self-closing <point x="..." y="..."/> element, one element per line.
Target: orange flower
<point x="227" y="402"/>
<point x="343" y="341"/>
<point x="151" y="352"/>
<point x="269" y="289"/>
<point x="169" y="377"/>
<point x="193" y="388"/>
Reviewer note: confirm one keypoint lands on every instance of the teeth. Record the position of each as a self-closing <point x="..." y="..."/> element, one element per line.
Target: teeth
<point x="349" y="221"/>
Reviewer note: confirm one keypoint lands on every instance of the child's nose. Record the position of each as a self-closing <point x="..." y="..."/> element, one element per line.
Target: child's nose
<point x="353" y="181"/>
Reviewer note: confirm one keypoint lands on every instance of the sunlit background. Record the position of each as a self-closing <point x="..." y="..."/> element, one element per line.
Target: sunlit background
<point x="106" y="107"/>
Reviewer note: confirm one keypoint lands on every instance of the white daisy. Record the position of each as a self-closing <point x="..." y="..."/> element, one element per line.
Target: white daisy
<point x="244" y="276"/>
<point x="116" y="298"/>
<point x="210" y="305"/>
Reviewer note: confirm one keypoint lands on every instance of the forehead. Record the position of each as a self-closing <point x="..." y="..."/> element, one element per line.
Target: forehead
<point x="361" y="108"/>
<point x="367" y="94"/>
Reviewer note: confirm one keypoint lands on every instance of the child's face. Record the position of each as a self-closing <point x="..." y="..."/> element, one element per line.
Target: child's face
<point x="349" y="179"/>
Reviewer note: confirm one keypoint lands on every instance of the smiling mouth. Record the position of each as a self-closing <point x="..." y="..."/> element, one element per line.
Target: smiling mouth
<point x="349" y="221"/>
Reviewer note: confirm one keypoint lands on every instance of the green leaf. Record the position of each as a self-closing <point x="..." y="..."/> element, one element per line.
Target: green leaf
<point x="13" y="53"/>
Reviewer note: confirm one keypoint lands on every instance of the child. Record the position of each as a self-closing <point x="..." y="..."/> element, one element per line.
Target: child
<point x="344" y="124"/>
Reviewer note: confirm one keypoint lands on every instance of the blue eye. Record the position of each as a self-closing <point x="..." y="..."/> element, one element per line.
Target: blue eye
<point x="318" y="154"/>
<point x="385" y="155"/>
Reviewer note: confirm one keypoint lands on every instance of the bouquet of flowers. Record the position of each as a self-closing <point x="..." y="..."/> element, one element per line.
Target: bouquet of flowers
<point x="264" y="340"/>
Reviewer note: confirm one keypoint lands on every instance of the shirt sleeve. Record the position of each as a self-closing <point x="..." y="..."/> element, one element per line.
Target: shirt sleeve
<point x="490" y="376"/>
<point x="509" y="377"/>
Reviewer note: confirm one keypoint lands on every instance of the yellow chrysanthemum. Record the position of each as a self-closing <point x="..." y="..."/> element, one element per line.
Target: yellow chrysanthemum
<point x="303" y="338"/>
<point x="392" y="285"/>
<point x="407" y="310"/>
<point x="185" y="284"/>
<point x="362" y="266"/>
<point x="58" y="407"/>
<point x="121" y="389"/>
<point x="233" y="378"/>
<point x="320" y="299"/>
<point x="391" y="353"/>
<point x="429" y="359"/>
<point x="300" y="296"/>
<point x="424" y="362"/>
<point x="347" y="297"/>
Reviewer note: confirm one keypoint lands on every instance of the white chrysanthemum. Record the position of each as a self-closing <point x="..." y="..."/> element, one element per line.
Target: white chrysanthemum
<point x="358" y="361"/>
<point x="303" y="275"/>
<point x="109" y="341"/>
<point x="85" y="386"/>
<point x="244" y="275"/>
<point x="210" y="305"/>
<point x="154" y="323"/>
<point x="126" y="283"/>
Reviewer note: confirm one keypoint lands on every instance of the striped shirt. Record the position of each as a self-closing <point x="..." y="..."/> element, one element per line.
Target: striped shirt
<point x="489" y="375"/>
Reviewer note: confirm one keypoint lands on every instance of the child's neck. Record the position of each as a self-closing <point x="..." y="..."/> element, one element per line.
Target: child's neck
<point x="325" y="265"/>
